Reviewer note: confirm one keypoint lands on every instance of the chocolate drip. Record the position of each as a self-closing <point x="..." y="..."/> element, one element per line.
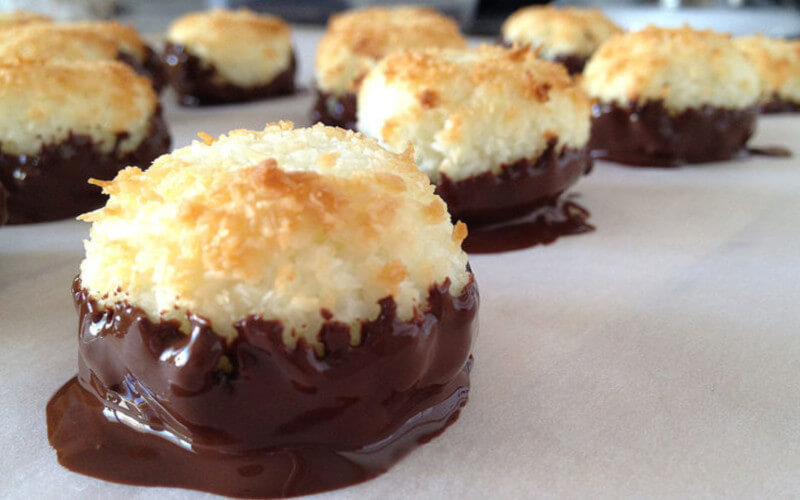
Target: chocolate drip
<point x="780" y="105"/>
<point x="517" y="189"/>
<point x="254" y="418"/>
<point x="199" y="84"/>
<point x="544" y="226"/>
<point x="150" y="67"/>
<point x="53" y="183"/>
<point x="336" y="111"/>
<point x="649" y="135"/>
<point x="573" y="62"/>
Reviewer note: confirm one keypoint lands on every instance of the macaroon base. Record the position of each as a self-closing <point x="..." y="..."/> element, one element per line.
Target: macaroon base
<point x="153" y="406"/>
<point x="197" y="83"/>
<point x="517" y="189"/>
<point x="53" y="183"/>
<point x="649" y="135"/>
<point x="335" y="110"/>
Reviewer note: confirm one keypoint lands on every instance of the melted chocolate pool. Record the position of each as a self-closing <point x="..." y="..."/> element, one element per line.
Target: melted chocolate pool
<point x="336" y="111"/>
<point x="199" y="84"/>
<point x="53" y="183"/>
<point x="153" y="406"/>
<point x="648" y="135"/>
<point x="550" y="222"/>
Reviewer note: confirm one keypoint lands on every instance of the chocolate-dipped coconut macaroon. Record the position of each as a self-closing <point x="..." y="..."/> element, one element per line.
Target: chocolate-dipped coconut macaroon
<point x="266" y="314"/>
<point x="226" y="56"/>
<point x="670" y="96"/>
<point x="65" y="123"/>
<point x="500" y="132"/>
<point x="356" y="40"/>
<point x="778" y="65"/>
<point x="82" y="41"/>
<point x="565" y="35"/>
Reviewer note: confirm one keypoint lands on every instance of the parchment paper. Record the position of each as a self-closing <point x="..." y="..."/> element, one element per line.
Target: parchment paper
<point x="656" y="357"/>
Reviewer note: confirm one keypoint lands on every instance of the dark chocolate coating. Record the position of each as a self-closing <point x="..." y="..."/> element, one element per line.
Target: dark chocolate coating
<point x="573" y="62"/>
<point x="53" y="183"/>
<point x="151" y="67"/>
<point x="648" y="135"/>
<point x="3" y="205"/>
<point x="198" y="84"/>
<point x="780" y="105"/>
<point x="518" y="189"/>
<point x="336" y="111"/>
<point x="280" y="421"/>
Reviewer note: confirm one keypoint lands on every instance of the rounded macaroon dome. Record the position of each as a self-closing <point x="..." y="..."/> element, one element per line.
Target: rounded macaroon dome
<point x="683" y="67"/>
<point x="778" y="65"/>
<point x="356" y="40"/>
<point x="65" y="38"/>
<point x="52" y="42"/>
<point x="246" y="48"/>
<point x="46" y="102"/>
<point x="472" y="111"/>
<point x="559" y="31"/>
<point x="294" y="225"/>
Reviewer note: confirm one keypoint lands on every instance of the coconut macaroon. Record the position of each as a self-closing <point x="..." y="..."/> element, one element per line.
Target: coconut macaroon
<point x="356" y="40"/>
<point x="313" y="219"/>
<point x="499" y="131"/>
<point x="82" y="41"/>
<point x="561" y="34"/>
<point x="778" y="64"/>
<point x="306" y="284"/>
<point x="222" y="56"/>
<point x="669" y="96"/>
<point x="64" y="122"/>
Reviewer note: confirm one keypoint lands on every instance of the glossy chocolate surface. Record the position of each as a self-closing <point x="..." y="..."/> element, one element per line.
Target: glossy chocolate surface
<point x="780" y="105"/>
<point x="150" y="67"/>
<point x="564" y="217"/>
<point x="574" y="63"/>
<point x="53" y="183"/>
<point x="649" y="135"/>
<point x="254" y="418"/>
<point x="198" y="84"/>
<point x="336" y="111"/>
<point x="518" y="189"/>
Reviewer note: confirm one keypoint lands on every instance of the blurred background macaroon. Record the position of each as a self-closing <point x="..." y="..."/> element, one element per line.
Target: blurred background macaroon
<point x="670" y="96"/>
<point x="356" y="40"/>
<point x="566" y="35"/>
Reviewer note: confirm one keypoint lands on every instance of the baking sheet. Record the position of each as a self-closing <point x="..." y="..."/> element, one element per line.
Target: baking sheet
<point x="656" y="357"/>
